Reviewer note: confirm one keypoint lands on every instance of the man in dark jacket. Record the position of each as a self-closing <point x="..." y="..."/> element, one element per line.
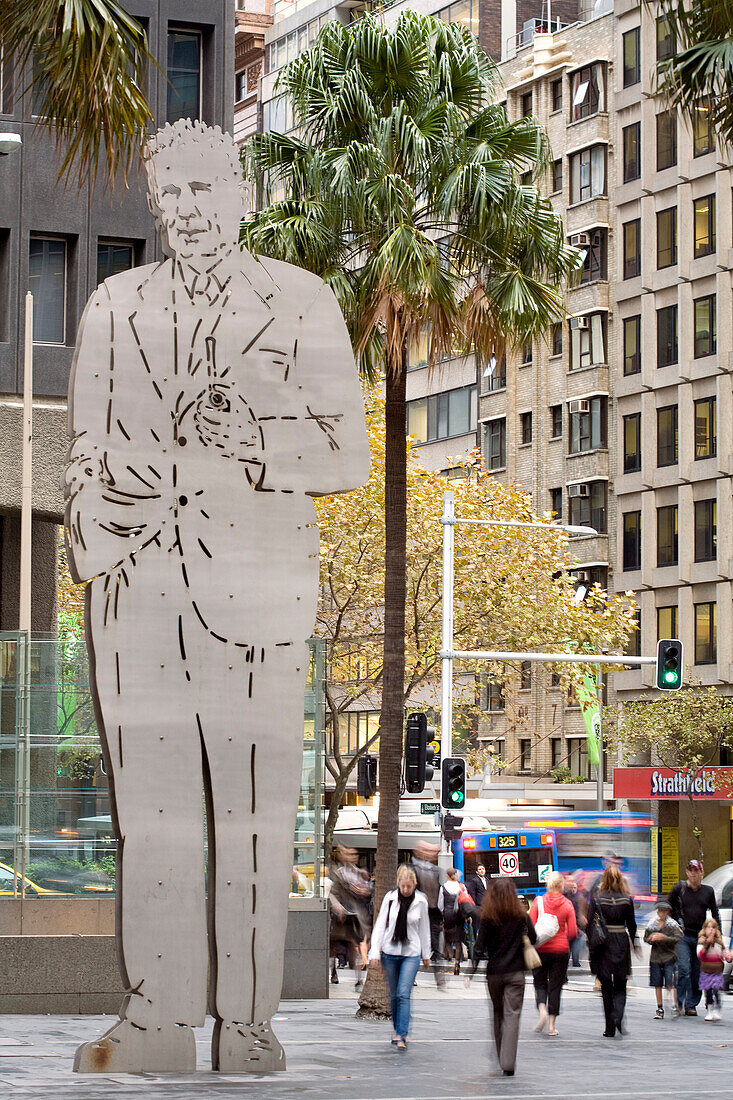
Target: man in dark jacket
<point x="690" y="903"/>
<point x="425" y="864"/>
<point x="476" y="885"/>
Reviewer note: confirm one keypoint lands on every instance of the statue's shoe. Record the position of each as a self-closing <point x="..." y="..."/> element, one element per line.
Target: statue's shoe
<point x="245" y="1048"/>
<point x="128" y="1048"/>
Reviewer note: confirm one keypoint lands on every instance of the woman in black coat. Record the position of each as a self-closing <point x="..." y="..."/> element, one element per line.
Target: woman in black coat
<point x="611" y="961"/>
<point x="504" y="924"/>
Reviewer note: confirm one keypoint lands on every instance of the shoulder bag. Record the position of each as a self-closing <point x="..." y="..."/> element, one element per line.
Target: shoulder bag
<point x="597" y="931"/>
<point x="531" y="959"/>
<point x="546" y="925"/>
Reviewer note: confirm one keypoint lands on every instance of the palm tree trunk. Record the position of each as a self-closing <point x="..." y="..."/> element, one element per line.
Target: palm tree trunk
<point x="373" y="1000"/>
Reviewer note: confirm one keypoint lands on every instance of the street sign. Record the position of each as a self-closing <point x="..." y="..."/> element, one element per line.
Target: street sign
<point x="435" y="746"/>
<point x="429" y="807"/>
<point x="508" y="863"/>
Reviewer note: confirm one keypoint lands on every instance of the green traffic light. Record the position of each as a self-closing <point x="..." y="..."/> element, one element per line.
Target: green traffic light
<point x="670" y="677"/>
<point x="456" y="796"/>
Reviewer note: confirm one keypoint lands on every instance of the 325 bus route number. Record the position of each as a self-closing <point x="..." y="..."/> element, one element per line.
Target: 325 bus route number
<point x="507" y="841"/>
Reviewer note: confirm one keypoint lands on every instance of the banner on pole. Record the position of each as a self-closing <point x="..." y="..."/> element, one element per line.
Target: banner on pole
<point x="587" y="696"/>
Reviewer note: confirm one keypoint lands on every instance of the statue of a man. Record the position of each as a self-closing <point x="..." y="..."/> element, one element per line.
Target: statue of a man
<point x="212" y="396"/>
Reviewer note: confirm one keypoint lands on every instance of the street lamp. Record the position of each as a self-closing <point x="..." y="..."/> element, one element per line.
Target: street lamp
<point x="9" y="143"/>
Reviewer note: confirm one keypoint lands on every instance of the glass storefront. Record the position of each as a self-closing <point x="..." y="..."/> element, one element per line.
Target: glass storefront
<point x="56" y="833"/>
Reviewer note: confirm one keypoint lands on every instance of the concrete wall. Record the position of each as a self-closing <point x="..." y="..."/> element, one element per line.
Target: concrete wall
<point x="79" y="973"/>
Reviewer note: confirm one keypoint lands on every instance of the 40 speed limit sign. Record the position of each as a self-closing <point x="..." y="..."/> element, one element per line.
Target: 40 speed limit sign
<point x="508" y="863"/>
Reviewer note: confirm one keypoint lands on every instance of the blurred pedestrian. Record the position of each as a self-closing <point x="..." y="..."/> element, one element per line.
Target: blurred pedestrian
<point x="504" y="929"/>
<point x="350" y="897"/>
<point x="448" y="903"/>
<point x="425" y="865"/>
<point x="612" y="909"/>
<point x="476" y="884"/>
<point x="554" y="918"/>
<point x="662" y="934"/>
<point x="713" y="956"/>
<point x="578" y="902"/>
<point x="691" y="901"/>
<point x="400" y="938"/>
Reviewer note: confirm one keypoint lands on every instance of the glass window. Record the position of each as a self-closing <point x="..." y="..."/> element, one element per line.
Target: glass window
<point x="632" y="248"/>
<point x="588" y="173"/>
<point x="47" y="283"/>
<point x="527" y="354"/>
<point x="632" y="344"/>
<point x="555" y="421"/>
<point x="112" y="258"/>
<point x="277" y="115"/>
<point x="417" y="354"/>
<point x="184" y="75"/>
<point x="556" y="502"/>
<point x="557" y="339"/>
<point x="666" y="139"/>
<point x="706" y="647"/>
<point x="525" y="103"/>
<point x="594" y="262"/>
<point x="525" y="676"/>
<point x="665" y="49"/>
<point x="495" y="444"/>
<point x="667" y="622"/>
<point x="587" y="424"/>
<point x="557" y="175"/>
<point x="587" y="505"/>
<point x="706" y="428"/>
<point x="556" y="89"/>
<point x="706" y="532"/>
<point x="442" y="415"/>
<point x="493" y="379"/>
<point x="588" y="88"/>
<point x="632" y="443"/>
<point x="667" y="336"/>
<point x="631" y="57"/>
<point x="703" y="137"/>
<point x="633" y="646"/>
<point x="631" y="136"/>
<point x="667" y="542"/>
<point x="525" y="754"/>
<point x="494" y="697"/>
<point x="588" y="341"/>
<point x="704" y="213"/>
<point x="667" y="435"/>
<point x="632" y="540"/>
<point x="526" y="427"/>
<point x="240" y="86"/>
<point x="705" y="326"/>
<point x="667" y="237"/>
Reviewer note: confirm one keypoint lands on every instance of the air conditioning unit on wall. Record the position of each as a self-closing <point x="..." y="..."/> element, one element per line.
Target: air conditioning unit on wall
<point x="581" y="490"/>
<point x="578" y="322"/>
<point x="580" y="240"/>
<point x="580" y="405"/>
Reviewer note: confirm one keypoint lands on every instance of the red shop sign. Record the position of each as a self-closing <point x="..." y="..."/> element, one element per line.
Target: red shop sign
<point x="710" y="783"/>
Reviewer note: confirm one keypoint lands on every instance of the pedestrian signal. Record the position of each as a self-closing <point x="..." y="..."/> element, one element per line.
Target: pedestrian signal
<point x="453" y="786"/>
<point x="418" y="753"/>
<point x="669" y="664"/>
<point x="366" y="776"/>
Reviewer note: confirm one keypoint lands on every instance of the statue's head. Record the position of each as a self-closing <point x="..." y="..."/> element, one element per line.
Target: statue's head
<point x="195" y="191"/>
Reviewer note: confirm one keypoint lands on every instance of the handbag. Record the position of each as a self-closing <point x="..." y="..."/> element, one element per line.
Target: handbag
<point x="597" y="930"/>
<point x="531" y="958"/>
<point x="546" y="926"/>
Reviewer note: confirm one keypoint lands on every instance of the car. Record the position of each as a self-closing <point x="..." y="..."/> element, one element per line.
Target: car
<point x="721" y="880"/>
<point x="10" y="883"/>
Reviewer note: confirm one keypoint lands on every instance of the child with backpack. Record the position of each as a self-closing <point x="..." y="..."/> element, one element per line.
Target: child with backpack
<point x="663" y="933"/>
<point x="713" y="956"/>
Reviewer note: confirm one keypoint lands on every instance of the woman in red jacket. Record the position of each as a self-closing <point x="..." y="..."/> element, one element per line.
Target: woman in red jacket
<point x="554" y="952"/>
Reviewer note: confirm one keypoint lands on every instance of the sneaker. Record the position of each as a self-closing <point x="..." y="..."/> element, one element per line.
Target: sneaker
<point x="676" y="1013"/>
<point x="715" y="1014"/>
<point x="690" y="1012"/>
<point x="659" y="1014"/>
<point x="710" y="1016"/>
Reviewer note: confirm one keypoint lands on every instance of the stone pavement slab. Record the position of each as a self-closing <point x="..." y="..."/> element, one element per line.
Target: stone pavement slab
<point x="333" y="1056"/>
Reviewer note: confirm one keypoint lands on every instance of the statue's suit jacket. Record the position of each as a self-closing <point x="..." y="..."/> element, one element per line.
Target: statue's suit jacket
<point x="201" y="429"/>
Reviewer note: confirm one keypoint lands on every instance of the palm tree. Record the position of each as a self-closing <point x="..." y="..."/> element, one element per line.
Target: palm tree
<point x="87" y="60"/>
<point x="698" y="77"/>
<point x="401" y="192"/>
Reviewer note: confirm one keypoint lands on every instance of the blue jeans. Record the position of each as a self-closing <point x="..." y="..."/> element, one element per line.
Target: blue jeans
<point x="400" y="971"/>
<point x="688" y="973"/>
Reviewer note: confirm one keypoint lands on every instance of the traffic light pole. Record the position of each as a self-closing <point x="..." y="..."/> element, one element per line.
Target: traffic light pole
<point x="448" y="654"/>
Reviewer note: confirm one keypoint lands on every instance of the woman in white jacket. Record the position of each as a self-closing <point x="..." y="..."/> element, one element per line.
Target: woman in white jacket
<point x="400" y="938"/>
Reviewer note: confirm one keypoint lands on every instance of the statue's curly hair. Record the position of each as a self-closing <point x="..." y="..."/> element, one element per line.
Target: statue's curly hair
<point x="185" y="131"/>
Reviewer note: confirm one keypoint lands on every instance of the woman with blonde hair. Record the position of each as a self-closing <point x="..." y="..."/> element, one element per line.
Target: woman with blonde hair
<point x="554" y="919"/>
<point x="611" y="932"/>
<point x="400" y="938"/>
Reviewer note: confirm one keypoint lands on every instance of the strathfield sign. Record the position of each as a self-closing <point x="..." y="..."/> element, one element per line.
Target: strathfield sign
<point x="709" y="783"/>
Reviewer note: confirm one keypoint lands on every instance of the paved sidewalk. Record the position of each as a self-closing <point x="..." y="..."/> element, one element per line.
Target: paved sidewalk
<point x="332" y="1056"/>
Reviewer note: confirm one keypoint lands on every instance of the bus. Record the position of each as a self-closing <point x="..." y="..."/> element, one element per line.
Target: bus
<point x="526" y="855"/>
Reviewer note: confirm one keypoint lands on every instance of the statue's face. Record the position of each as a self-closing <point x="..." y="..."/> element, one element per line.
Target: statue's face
<point x="196" y="196"/>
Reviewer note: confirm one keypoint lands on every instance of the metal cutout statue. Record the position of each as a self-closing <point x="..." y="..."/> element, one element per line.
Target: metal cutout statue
<point x="212" y="396"/>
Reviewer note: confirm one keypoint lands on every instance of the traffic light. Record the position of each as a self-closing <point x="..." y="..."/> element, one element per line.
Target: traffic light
<point x="453" y="787"/>
<point x="366" y="776"/>
<point x="669" y="664"/>
<point x="418" y="753"/>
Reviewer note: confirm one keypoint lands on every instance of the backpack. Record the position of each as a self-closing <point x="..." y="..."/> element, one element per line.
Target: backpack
<point x="450" y="905"/>
<point x="546" y="926"/>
